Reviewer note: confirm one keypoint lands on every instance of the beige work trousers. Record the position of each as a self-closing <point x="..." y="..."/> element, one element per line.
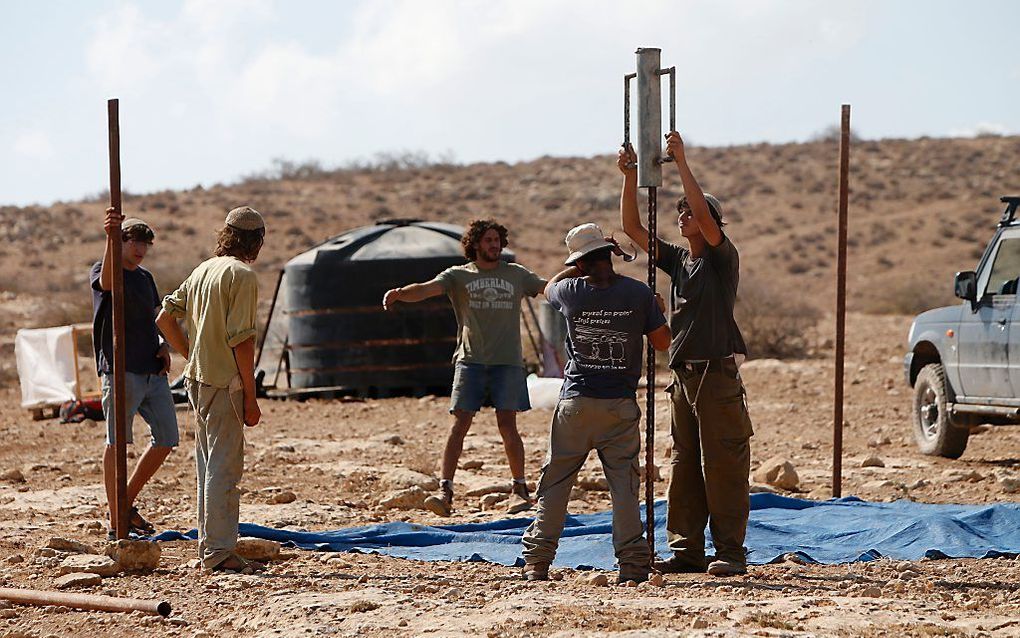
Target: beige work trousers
<point x="710" y="466"/>
<point x="219" y="459"/>
<point x="579" y="425"/>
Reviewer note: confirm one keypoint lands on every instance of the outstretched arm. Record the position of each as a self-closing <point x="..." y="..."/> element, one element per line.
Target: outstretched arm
<point x="412" y="293"/>
<point x="630" y="218"/>
<point x="692" y="190"/>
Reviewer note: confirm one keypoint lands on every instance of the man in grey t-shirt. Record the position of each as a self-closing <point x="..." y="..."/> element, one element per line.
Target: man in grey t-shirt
<point x="607" y="314"/>
<point x="486" y="295"/>
<point x="709" y="413"/>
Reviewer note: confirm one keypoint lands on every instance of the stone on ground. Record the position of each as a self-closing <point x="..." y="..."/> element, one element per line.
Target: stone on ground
<point x="258" y="549"/>
<point x="406" y="499"/>
<point x="1009" y="484"/>
<point x="779" y="472"/>
<point x="473" y="464"/>
<point x="134" y="555"/>
<point x="402" y="478"/>
<point x="13" y="475"/>
<point x="68" y="581"/>
<point x="67" y="545"/>
<point x="284" y="497"/>
<point x="490" y="501"/>
<point x="89" y="564"/>
<point x="490" y="488"/>
<point x="594" y="482"/>
<point x="598" y="580"/>
<point x="873" y="460"/>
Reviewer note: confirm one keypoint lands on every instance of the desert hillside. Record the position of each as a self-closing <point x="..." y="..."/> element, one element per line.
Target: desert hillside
<point x="919" y="211"/>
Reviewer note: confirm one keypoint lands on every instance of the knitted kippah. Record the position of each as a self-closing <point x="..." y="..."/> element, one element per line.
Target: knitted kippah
<point x="245" y="218"/>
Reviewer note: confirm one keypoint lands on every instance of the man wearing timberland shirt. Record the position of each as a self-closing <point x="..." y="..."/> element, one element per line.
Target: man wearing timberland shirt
<point x="486" y="296"/>
<point x="709" y="413"/>
<point x="218" y="302"/>
<point x="606" y="314"/>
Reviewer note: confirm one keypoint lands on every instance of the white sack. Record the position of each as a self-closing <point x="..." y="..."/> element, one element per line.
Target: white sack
<point x="543" y="392"/>
<point x="45" y="365"/>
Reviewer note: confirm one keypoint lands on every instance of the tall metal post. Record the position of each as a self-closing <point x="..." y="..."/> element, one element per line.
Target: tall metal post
<point x="121" y="518"/>
<point x="649" y="175"/>
<point x="837" y="423"/>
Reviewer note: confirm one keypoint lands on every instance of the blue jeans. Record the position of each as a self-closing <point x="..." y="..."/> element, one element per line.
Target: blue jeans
<point x="476" y="384"/>
<point x="148" y="395"/>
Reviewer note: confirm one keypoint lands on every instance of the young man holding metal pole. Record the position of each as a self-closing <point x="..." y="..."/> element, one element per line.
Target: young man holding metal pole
<point x="709" y="411"/>
<point x="218" y="301"/>
<point x="147" y="360"/>
<point x="486" y="295"/>
<point x="607" y="314"/>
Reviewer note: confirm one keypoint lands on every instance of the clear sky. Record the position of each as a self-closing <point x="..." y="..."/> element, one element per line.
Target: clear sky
<point x="211" y="90"/>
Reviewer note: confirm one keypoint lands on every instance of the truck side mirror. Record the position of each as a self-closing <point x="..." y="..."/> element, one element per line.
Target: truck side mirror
<point x="965" y="285"/>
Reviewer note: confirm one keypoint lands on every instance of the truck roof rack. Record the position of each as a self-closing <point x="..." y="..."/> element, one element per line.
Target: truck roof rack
<point x="1011" y="202"/>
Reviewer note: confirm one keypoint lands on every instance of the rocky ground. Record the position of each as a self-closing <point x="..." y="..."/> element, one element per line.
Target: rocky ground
<point x="330" y="464"/>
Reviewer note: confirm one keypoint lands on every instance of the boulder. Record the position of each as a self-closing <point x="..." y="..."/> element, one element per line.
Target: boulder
<point x="89" y="564"/>
<point x="407" y="499"/>
<point x="134" y="555"/>
<point x="779" y="472"/>
<point x="598" y="580"/>
<point x="69" y="581"/>
<point x="402" y="478"/>
<point x="258" y="549"/>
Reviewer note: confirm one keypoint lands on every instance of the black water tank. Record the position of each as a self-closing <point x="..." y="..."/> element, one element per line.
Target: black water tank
<point x="338" y="333"/>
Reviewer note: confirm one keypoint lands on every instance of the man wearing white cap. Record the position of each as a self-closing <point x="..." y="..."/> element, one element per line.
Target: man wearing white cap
<point x="218" y="302"/>
<point x="606" y="314"/>
<point x="147" y="359"/>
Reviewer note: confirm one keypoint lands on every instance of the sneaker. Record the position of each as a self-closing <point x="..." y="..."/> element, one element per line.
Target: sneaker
<point x="440" y="503"/>
<point x="536" y="571"/>
<point x="520" y="500"/>
<point x="726" y="568"/>
<point x="676" y="565"/>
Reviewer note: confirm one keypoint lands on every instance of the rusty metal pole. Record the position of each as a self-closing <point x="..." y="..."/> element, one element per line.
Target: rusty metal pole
<point x="120" y="522"/>
<point x="84" y="601"/>
<point x="837" y="423"/>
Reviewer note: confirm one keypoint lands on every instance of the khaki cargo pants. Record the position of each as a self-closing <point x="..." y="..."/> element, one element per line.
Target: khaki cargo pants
<point x="579" y="425"/>
<point x="710" y="466"/>
<point x="219" y="458"/>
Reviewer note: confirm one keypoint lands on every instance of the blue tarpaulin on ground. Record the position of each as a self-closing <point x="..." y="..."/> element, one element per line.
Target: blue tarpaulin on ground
<point x="836" y="531"/>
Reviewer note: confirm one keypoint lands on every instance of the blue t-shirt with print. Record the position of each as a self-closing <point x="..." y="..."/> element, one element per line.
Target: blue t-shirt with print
<point x="605" y="327"/>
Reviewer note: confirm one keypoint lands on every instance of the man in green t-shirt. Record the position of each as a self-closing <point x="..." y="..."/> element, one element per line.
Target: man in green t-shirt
<point x="486" y="296"/>
<point x="218" y="301"/>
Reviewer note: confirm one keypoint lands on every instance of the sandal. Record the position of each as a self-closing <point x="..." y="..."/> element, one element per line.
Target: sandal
<point x="137" y="522"/>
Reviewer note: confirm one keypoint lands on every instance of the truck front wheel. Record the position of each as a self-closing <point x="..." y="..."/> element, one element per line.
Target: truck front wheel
<point x="936" y="431"/>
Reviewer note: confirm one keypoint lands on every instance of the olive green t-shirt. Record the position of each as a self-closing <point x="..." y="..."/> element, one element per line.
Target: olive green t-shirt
<point x="218" y="301"/>
<point x="488" y="308"/>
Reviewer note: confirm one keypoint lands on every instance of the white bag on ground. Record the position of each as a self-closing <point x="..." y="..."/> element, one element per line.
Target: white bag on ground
<point x="45" y="359"/>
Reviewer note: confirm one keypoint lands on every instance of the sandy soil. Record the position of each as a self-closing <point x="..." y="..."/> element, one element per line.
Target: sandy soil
<point x="340" y="458"/>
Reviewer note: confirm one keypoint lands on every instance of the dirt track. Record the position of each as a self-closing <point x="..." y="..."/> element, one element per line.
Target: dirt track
<point x="339" y="459"/>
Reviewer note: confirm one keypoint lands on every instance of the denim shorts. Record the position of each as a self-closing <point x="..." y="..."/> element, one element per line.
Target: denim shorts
<point x="148" y="395"/>
<point x="476" y="384"/>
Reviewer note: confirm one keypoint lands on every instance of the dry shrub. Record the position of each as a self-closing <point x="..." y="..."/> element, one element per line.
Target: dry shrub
<point x="774" y="323"/>
<point x="911" y="298"/>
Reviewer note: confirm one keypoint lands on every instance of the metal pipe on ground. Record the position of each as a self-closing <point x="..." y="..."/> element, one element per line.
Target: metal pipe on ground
<point x="88" y="602"/>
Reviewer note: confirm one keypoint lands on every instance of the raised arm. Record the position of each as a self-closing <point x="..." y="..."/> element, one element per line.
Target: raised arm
<point x="692" y="190"/>
<point x="112" y="227"/>
<point x="412" y="293"/>
<point x="572" y="271"/>
<point x="630" y="218"/>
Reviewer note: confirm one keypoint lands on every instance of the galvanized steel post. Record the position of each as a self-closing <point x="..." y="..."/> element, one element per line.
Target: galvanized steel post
<point x="649" y="169"/>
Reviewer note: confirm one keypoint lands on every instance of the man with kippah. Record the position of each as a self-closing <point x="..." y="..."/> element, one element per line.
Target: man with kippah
<point x="147" y="359"/>
<point x="710" y="427"/>
<point x="218" y="301"/>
